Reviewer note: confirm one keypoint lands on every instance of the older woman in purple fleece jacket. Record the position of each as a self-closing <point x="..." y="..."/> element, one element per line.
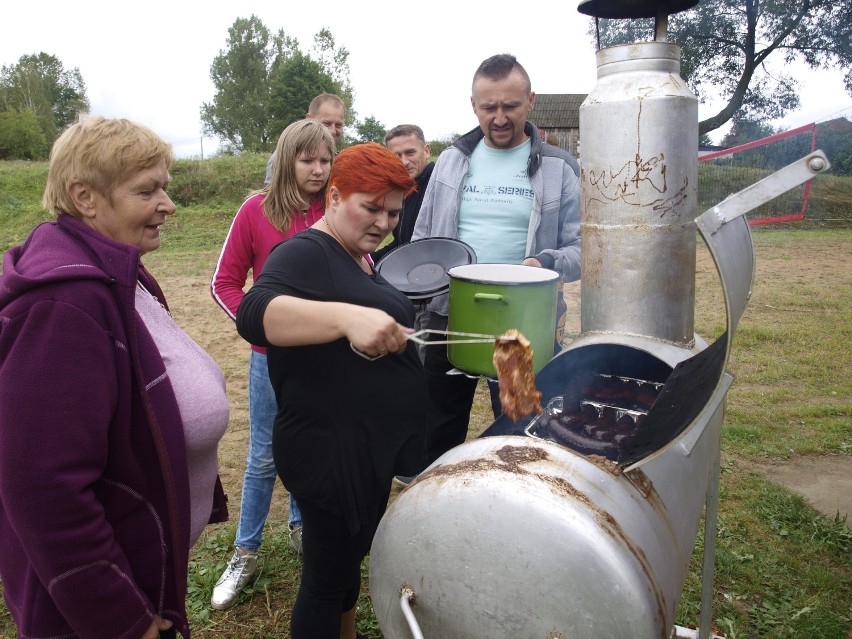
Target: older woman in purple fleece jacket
<point x="110" y="415"/>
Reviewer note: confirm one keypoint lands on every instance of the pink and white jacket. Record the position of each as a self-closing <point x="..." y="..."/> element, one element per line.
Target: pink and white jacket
<point x="247" y="245"/>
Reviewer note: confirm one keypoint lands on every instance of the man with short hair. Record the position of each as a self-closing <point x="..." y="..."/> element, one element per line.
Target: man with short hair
<point x="409" y="144"/>
<point x="327" y="109"/>
<point x="514" y="199"/>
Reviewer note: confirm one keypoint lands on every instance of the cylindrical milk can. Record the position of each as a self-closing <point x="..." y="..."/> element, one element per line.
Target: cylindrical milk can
<point x="639" y="161"/>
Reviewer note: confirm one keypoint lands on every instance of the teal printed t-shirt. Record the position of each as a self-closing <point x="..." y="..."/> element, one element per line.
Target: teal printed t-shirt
<point x="496" y="203"/>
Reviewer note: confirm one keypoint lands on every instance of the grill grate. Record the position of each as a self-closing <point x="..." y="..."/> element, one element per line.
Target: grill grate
<point x="598" y="416"/>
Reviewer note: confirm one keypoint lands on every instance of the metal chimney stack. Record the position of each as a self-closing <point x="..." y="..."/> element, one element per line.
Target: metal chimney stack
<point x="639" y="161"/>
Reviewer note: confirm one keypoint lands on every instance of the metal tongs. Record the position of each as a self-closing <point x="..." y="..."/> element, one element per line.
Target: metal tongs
<point x="470" y="338"/>
<point x="417" y="338"/>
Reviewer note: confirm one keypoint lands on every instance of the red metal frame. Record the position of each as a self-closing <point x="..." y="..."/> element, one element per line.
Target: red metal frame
<point x="797" y="217"/>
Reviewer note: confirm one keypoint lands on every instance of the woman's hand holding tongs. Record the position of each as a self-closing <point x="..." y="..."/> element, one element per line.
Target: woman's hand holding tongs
<point x="372" y="333"/>
<point x="453" y="337"/>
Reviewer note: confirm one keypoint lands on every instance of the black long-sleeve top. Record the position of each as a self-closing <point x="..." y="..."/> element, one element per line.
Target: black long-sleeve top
<point x="345" y="425"/>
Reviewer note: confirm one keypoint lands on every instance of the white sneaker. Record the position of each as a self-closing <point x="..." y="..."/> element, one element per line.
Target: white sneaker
<point x="241" y="568"/>
<point x="295" y="539"/>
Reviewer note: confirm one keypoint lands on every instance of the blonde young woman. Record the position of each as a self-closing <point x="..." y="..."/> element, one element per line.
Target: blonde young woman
<point x="291" y="203"/>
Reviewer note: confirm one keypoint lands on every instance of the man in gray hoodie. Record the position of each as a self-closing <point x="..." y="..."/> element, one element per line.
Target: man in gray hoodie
<point x="510" y="196"/>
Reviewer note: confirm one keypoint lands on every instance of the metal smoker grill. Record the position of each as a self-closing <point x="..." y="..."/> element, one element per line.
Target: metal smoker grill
<point x="521" y="533"/>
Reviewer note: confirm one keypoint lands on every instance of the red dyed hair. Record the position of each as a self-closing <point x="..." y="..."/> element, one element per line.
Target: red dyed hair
<point x="369" y="168"/>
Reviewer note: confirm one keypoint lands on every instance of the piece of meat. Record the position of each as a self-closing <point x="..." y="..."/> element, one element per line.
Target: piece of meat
<point x="513" y="359"/>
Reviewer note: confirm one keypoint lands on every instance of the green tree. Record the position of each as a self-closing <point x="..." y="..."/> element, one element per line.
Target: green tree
<point x="745" y="130"/>
<point x="264" y="82"/>
<point x="333" y="59"/>
<point x="370" y="130"/>
<point x="439" y="146"/>
<point x="726" y="45"/>
<point x="21" y="136"/>
<point x="239" y="113"/>
<point x="835" y="138"/>
<point x="335" y="62"/>
<point x="295" y="81"/>
<point x="40" y="84"/>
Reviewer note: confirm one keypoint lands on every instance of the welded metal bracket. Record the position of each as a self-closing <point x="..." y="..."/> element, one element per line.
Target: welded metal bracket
<point x="761" y="192"/>
<point x="728" y="236"/>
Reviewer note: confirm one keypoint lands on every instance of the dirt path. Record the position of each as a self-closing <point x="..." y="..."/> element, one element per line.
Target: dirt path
<point x="824" y="481"/>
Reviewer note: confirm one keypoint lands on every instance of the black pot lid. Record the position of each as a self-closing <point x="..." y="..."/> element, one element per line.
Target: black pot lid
<point x="419" y="268"/>
<point x="633" y="8"/>
<point x="422" y="297"/>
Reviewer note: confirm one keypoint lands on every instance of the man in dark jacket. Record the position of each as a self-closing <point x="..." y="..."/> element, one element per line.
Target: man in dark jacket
<point x="409" y="144"/>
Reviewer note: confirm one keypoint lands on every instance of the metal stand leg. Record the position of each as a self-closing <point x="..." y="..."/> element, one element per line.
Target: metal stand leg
<point x="711" y="515"/>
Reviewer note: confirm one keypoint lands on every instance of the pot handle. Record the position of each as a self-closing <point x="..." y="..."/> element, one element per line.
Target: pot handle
<point x="489" y="297"/>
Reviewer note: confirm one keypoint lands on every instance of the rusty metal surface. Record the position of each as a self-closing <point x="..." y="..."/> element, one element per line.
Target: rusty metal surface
<point x="520" y="507"/>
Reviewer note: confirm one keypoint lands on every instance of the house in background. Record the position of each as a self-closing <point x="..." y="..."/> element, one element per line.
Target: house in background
<point x="557" y="116"/>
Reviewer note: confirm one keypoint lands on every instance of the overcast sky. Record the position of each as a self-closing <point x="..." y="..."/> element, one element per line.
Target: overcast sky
<point x="409" y="62"/>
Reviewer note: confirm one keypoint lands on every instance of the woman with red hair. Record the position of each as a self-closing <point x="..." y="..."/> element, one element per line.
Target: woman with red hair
<point x="349" y="418"/>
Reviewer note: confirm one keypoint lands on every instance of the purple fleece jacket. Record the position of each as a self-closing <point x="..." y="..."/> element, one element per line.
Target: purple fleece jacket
<point x="94" y="493"/>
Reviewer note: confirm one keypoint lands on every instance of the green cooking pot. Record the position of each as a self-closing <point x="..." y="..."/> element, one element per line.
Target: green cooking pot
<point x="491" y="299"/>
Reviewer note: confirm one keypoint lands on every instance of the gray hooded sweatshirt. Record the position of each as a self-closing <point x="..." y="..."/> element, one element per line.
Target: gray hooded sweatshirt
<point x="554" y="230"/>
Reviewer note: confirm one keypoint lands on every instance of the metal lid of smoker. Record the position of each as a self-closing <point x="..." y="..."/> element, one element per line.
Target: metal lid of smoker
<point x="614" y="9"/>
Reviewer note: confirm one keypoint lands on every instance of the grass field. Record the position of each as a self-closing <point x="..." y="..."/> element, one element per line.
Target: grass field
<point x="783" y="570"/>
